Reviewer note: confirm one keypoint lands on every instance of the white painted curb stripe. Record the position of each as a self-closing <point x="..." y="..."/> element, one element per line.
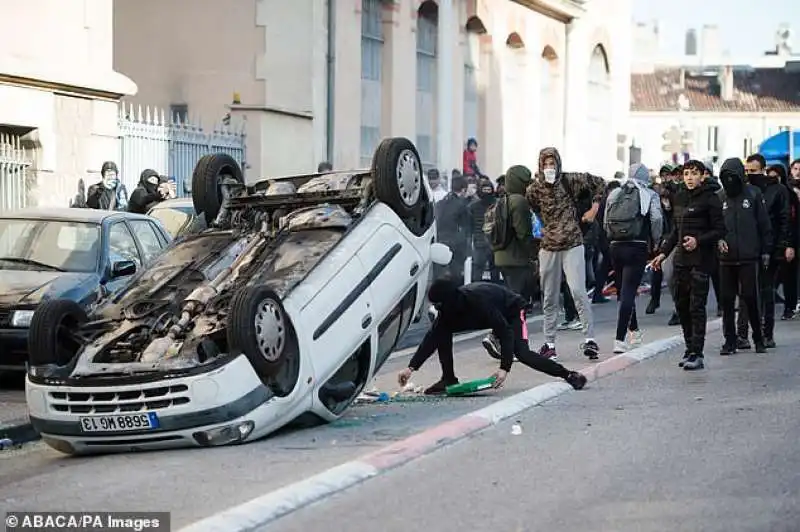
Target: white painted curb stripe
<point x="258" y="512"/>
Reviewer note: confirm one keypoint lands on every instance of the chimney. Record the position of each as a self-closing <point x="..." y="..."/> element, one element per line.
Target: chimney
<point x="726" y="83"/>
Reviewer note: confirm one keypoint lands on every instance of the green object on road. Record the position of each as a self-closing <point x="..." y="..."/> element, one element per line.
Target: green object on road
<point x="470" y="386"/>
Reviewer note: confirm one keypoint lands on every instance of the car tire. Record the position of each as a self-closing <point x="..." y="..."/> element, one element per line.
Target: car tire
<point x="206" y="178"/>
<point x="259" y="327"/>
<point x="398" y="177"/>
<point x="48" y="342"/>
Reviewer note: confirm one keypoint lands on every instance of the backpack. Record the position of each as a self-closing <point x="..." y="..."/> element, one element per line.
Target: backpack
<point x="496" y="224"/>
<point x="623" y="216"/>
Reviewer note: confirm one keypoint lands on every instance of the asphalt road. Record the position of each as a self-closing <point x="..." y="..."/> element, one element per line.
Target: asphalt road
<point x="651" y="449"/>
<point x="610" y="458"/>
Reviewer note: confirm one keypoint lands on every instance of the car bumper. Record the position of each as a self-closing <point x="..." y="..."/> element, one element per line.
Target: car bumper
<point x="227" y="405"/>
<point x="13" y="349"/>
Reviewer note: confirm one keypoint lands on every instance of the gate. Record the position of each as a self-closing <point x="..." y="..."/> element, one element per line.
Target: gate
<point x="14" y="167"/>
<point x="149" y="138"/>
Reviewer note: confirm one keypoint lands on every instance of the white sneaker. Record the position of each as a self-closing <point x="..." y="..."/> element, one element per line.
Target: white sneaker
<point x="635" y="338"/>
<point x="620" y="346"/>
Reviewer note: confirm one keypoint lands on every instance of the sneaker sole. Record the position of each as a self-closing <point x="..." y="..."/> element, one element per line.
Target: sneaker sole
<point x="490" y="349"/>
<point x="701" y="366"/>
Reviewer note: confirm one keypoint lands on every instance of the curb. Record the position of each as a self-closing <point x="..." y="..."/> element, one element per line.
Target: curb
<point x="267" y="508"/>
<point x="19" y="431"/>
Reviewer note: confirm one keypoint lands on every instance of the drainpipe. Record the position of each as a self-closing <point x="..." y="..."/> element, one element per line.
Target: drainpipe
<point x="444" y="97"/>
<point x="566" y="91"/>
<point x="331" y="72"/>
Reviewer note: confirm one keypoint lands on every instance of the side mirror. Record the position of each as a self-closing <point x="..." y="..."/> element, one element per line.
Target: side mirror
<point x="441" y="254"/>
<point x="123" y="268"/>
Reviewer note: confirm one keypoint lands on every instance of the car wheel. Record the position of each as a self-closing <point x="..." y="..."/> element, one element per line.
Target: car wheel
<point x="259" y="327"/>
<point x="207" y="179"/>
<point x="50" y="337"/>
<point x="397" y="177"/>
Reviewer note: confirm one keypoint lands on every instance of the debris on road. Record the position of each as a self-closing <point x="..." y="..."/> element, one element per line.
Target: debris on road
<point x="516" y="429"/>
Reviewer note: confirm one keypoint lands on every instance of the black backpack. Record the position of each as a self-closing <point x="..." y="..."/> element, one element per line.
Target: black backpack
<point x="623" y="216"/>
<point x="496" y="224"/>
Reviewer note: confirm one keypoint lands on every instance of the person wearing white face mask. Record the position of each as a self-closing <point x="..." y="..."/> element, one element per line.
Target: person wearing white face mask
<point x="553" y="196"/>
<point x="109" y="194"/>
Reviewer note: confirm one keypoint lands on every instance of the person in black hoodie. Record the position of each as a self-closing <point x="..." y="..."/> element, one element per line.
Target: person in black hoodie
<point x="789" y="273"/>
<point x="745" y="247"/>
<point x="454" y="228"/>
<point x="776" y="199"/>
<point x="698" y="226"/>
<point x="473" y="307"/>
<point x="482" y="256"/>
<point x="152" y="189"/>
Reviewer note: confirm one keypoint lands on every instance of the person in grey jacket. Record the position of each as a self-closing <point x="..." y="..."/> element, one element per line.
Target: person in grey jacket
<point x="632" y="237"/>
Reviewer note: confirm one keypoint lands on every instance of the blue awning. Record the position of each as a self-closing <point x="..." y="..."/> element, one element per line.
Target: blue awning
<point x="777" y="146"/>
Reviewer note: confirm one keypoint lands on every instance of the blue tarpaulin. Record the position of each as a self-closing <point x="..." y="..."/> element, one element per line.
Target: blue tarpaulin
<point x="776" y="147"/>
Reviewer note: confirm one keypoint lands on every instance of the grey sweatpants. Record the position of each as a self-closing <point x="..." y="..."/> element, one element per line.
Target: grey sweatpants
<point x="574" y="265"/>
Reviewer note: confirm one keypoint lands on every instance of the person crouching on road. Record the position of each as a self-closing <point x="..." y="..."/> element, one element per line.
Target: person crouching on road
<point x="553" y="196"/>
<point x="743" y="249"/>
<point x="479" y="306"/>
<point x="698" y="226"/>
<point x="633" y="223"/>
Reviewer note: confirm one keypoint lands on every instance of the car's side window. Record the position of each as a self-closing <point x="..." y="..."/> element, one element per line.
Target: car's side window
<point x="121" y="245"/>
<point x="161" y="238"/>
<point x="146" y="235"/>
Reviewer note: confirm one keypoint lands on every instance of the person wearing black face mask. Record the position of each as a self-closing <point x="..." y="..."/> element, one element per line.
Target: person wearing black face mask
<point x="745" y="248"/>
<point x="482" y="256"/>
<point x="776" y="199"/>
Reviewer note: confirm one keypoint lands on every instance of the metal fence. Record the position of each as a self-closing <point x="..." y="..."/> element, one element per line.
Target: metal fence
<point x="15" y="163"/>
<point x="150" y="138"/>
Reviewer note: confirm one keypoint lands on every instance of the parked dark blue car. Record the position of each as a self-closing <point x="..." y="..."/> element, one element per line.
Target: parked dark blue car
<point x="79" y="254"/>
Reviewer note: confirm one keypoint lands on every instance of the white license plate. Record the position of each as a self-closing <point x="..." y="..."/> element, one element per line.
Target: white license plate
<point x="119" y="422"/>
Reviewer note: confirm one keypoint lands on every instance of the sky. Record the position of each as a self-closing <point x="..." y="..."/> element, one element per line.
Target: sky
<point x="747" y="27"/>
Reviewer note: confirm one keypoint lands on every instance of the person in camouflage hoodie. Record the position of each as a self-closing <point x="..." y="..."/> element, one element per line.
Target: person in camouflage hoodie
<point x="552" y="195"/>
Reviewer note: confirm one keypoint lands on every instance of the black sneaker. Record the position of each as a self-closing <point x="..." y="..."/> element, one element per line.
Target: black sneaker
<point x="576" y="380"/>
<point x="652" y="307"/>
<point x="492" y="346"/>
<point x="674" y="320"/>
<point x="694" y="362"/>
<point x="548" y="352"/>
<point x="684" y="359"/>
<point x="760" y="347"/>
<point x="769" y="343"/>
<point x="590" y="349"/>
<point x="743" y="343"/>
<point x="439" y="388"/>
<point x="728" y="348"/>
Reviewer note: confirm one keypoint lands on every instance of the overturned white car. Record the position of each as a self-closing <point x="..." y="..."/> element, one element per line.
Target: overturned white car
<point x="284" y="308"/>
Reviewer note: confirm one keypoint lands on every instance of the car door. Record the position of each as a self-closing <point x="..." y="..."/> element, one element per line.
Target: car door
<point x="121" y="247"/>
<point x="147" y="237"/>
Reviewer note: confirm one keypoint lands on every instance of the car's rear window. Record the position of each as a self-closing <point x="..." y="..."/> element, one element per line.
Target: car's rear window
<point x="172" y="218"/>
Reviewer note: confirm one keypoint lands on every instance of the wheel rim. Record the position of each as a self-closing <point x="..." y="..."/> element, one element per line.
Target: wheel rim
<point x="270" y="330"/>
<point x="409" y="177"/>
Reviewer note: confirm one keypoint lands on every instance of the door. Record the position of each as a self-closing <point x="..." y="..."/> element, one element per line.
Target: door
<point x="393" y="265"/>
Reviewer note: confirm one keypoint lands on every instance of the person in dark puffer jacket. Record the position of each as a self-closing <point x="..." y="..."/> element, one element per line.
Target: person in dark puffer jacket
<point x="698" y="226"/>
<point x="482" y="256"/>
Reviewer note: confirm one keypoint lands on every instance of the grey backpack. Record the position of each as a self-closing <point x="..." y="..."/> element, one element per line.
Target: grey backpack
<point x="623" y="216"/>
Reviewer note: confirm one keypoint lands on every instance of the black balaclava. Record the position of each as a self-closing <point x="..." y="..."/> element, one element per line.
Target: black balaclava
<point x="485" y="189"/>
<point x="732" y="177"/>
<point x="444" y="294"/>
<point x="149" y="179"/>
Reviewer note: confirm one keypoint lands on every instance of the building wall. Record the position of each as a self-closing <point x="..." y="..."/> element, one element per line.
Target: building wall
<point x="275" y="54"/>
<point x="69" y="117"/>
<point x="739" y="134"/>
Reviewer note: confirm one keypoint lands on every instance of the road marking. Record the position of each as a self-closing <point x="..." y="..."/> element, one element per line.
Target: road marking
<point x="269" y="507"/>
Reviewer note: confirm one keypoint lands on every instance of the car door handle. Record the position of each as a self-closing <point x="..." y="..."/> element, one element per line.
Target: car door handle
<point x="366" y="321"/>
<point x="414" y="269"/>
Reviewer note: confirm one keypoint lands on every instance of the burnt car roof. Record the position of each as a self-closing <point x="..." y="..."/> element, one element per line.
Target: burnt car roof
<point x="69" y="214"/>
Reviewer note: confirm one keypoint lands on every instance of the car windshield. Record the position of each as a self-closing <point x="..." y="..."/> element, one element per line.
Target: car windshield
<point x="172" y="218"/>
<point x="49" y="245"/>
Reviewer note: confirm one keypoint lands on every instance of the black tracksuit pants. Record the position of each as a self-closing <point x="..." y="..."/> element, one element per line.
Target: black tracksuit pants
<point x="789" y="279"/>
<point x="767" y="281"/>
<point x="444" y="347"/>
<point x="741" y="280"/>
<point x="629" y="259"/>
<point x="691" y="294"/>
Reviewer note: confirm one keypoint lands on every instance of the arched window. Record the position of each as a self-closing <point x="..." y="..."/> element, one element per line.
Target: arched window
<point x="427" y="36"/>
<point x="474" y="28"/>
<point x="371" y="76"/>
<point x="599" y="112"/>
